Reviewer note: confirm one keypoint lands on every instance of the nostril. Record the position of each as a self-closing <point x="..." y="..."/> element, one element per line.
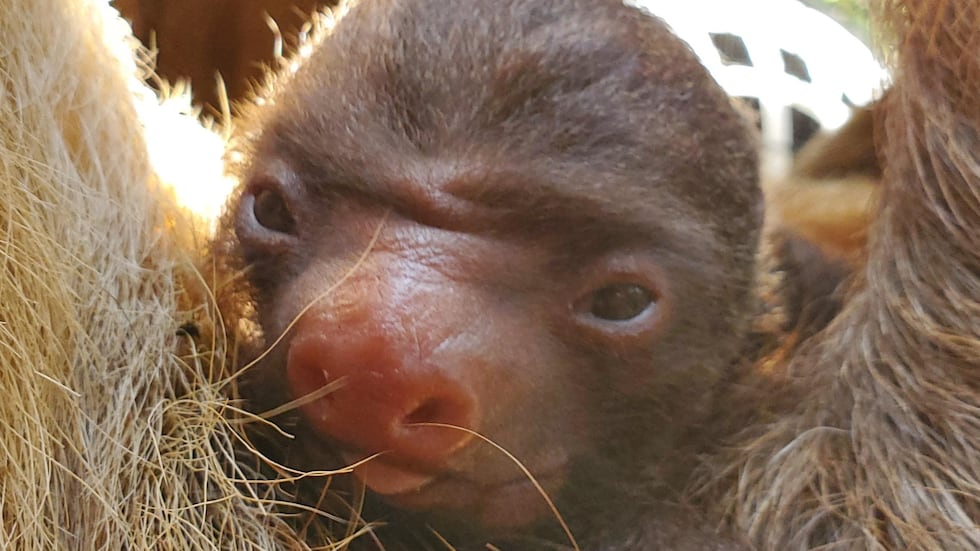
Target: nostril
<point x="433" y="410"/>
<point x="308" y="378"/>
<point x="434" y="428"/>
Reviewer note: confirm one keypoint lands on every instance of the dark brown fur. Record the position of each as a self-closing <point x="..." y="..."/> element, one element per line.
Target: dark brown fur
<point x="517" y="156"/>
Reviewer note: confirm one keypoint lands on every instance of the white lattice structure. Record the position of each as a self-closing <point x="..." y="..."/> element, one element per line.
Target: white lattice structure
<point x="782" y="53"/>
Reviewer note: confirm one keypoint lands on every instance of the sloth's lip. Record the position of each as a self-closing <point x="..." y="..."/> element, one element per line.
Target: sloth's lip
<point x="387" y="478"/>
<point x="504" y="505"/>
<point x="498" y="504"/>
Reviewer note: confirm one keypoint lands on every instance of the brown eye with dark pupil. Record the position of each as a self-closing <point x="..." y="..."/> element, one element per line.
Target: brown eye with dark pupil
<point x="620" y="302"/>
<point x="271" y="212"/>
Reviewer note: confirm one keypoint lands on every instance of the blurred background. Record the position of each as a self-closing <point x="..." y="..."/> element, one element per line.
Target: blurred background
<point x="802" y="66"/>
<point x="852" y="14"/>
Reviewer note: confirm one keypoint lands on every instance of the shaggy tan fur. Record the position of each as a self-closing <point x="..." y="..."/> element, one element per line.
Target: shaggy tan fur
<point x="110" y="440"/>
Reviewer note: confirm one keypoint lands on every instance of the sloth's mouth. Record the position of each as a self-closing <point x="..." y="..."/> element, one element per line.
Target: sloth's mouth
<point x="509" y="503"/>
<point x="386" y="478"/>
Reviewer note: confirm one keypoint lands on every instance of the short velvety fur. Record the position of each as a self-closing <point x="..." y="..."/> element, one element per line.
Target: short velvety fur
<point x="569" y="129"/>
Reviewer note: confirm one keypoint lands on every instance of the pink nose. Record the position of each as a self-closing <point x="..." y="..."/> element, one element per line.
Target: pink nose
<point x="386" y="400"/>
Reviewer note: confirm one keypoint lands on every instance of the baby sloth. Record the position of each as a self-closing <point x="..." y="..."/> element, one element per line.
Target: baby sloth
<point x="498" y="235"/>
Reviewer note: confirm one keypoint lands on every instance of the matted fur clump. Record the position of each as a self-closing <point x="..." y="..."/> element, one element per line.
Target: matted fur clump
<point x="110" y="440"/>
